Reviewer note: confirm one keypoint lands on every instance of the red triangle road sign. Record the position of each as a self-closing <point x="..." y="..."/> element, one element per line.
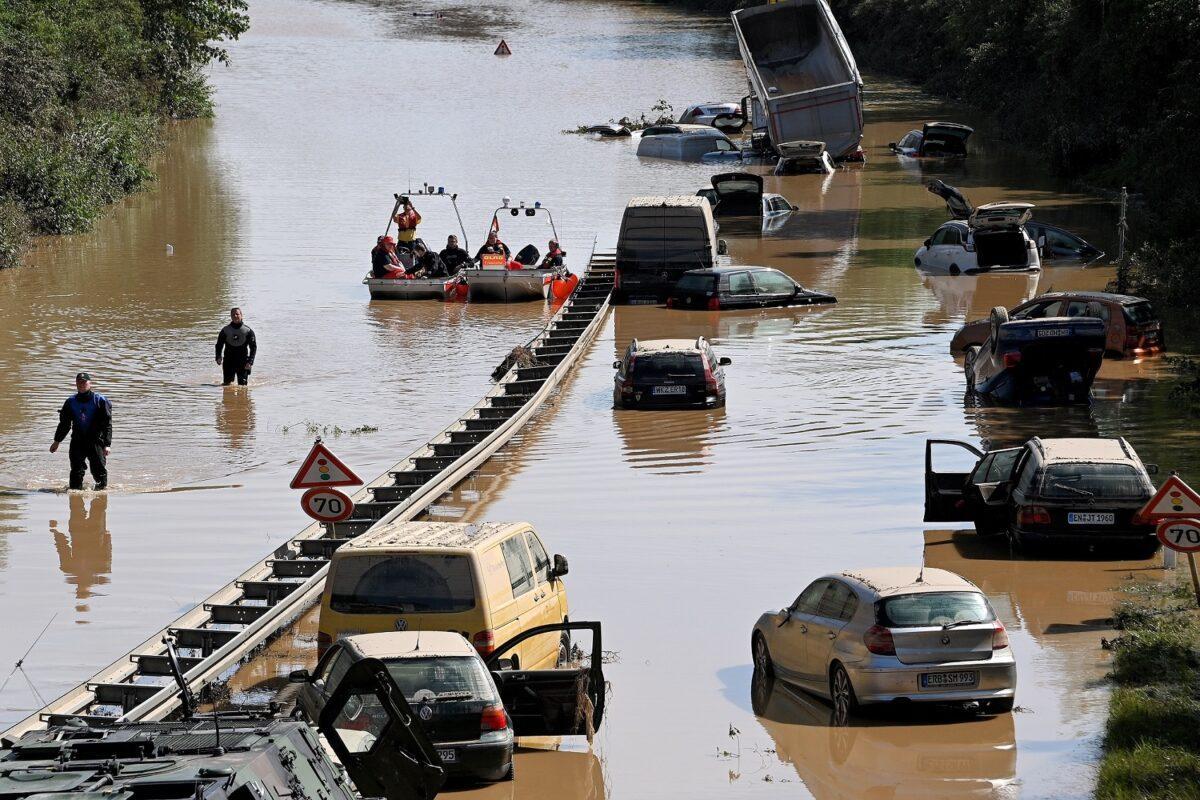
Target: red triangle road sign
<point x="503" y="49"/>
<point x="322" y="468"/>
<point x="1175" y="500"/>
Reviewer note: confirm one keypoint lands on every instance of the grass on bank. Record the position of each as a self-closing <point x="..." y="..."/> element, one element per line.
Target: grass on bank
<point x="1152" y="739"/>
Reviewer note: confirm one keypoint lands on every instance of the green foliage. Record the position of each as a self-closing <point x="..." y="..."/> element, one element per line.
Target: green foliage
<point x="84" y="87"/>
<point x="1149" y="771"/>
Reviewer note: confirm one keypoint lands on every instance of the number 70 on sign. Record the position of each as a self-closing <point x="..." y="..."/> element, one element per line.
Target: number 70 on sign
<point x="1180" y="534"/>
<point x="326" y="504"/>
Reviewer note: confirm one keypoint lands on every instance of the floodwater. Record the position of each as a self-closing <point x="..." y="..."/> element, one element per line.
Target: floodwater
<point x="680" y="527"/>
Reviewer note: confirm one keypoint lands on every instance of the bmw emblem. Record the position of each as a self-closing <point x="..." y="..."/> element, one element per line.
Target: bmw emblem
<point x="426" y="713"/>
<point x="946" y="639"/>
<point x="401" y="624"/>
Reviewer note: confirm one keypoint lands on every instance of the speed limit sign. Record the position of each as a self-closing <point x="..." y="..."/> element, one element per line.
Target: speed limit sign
<point x="1180" y="534"/>
<point x="326" y="505"/>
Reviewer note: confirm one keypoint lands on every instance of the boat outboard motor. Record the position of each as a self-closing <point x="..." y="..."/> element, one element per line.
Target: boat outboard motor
<point x="528" y="255"/>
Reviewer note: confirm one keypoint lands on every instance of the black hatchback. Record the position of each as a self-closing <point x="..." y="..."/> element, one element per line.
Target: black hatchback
<point x="741" y="287"/>
<point x="670" y="373"/>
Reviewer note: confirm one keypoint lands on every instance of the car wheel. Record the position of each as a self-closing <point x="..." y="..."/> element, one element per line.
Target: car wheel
<point x="564" y="650"/>
<point x="1003" y="705"/>
<point x="841" y="691"/>
<point x="762" y="655"/>
<point x="954" y="270"/>
<point x="969" y="368"/>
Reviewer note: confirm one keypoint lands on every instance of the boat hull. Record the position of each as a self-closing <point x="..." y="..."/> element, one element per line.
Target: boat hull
<point x="507" y="285"/>
<point x="410" y="289"/>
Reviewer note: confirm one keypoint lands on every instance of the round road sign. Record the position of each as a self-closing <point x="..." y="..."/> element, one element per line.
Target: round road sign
<point x="1180" y="534"/>
<point x="326" y="505"/>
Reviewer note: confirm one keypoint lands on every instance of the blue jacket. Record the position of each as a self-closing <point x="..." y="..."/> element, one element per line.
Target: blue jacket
<point x="89" y="418"/>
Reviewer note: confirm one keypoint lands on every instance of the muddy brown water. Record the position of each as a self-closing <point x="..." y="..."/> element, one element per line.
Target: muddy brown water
<point x="680" y="527"/>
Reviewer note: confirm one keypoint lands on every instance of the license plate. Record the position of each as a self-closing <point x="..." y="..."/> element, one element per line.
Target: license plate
<point x="1048" y="333"/>
<point x="1091" y="518"/>
<point x="669" y="390"/>
<point x="448" y="756"/>
<point x="948" y="680"/>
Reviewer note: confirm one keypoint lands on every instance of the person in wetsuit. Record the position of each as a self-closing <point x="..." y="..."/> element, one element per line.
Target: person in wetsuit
<point x="454" y="257"/>
<point x="240" y="347"/>
<point x="88" y="416"/>
<point x="426" y="263"/>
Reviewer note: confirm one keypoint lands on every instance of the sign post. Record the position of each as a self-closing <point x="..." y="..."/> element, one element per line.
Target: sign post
<point x="1176" y="509"/>
<point x="319" y="472"/>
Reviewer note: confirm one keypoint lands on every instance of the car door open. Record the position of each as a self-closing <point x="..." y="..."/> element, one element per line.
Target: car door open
<point x="944" y="499"/>
<point x="552" y="702"/>
<point x="376" y="737"/>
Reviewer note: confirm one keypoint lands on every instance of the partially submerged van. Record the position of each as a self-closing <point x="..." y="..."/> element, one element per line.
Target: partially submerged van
<point x="488" y="581"/>
<point x="686" y="143"/>
<point x="661" y="238"/>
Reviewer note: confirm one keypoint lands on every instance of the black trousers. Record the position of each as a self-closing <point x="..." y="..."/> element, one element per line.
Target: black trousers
<point x="84" y="453"/>
<point x="232" y="368"/>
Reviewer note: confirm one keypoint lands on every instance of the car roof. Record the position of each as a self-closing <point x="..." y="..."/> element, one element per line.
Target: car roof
<point x="652" y="201"/>
<point x="1106" y="297"/>
<point x="455" y="535"/>
<point x="725" y="270"/>
<point x="409" y="644"/>
<point x="651" y="346"/>
<point x="1060" y="450"/>
<point x="890" y="581"/>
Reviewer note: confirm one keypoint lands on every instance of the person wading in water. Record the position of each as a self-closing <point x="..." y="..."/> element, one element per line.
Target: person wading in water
<point x="240" y="346"/>
<point x="88" y="416"/>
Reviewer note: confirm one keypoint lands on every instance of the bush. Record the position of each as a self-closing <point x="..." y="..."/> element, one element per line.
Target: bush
<point x="1150" y="770"/>
<point x="14" y="232"/>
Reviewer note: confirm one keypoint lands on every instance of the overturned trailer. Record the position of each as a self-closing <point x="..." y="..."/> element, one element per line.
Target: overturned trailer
<point x="804" y="84"/>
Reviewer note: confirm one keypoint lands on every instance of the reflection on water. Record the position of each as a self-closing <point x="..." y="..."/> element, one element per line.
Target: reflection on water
<point x="85" y="548"/>
<point x="908" y="752"/>
<point x="235" y="416"/>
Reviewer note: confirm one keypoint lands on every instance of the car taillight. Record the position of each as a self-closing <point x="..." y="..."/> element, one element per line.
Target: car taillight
<point x="616" y="279"/>
<point x="493" y="719"/>
<point x="1033" y="515"/>
<point x="999" y="637"/>
<point x="710" y="380"/>
<point x="485" y="642"/>
<point x="714" y="303"/>
<point x="324" y="640"/>
<point x="670" y="302"/>
<point x="1012" y="359"/>
<point x="879" y="641"/>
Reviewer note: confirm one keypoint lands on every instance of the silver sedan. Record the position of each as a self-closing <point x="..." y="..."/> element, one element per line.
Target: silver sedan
<point x="882" y="635"/>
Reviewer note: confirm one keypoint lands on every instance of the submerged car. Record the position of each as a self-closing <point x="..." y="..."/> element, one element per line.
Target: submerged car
<point x="741" y="287"/>
<point x="934" y="140"/>
<point x="989" y="238"/>
<point x="1083" y="492"/>
<point x="670" y="373"/>
<point x="740" y="194"/>
<point x="470" y="708"/>
<point x="687" y="143"/>
<point x="707" y="113"/>
<point x="1132" y="328"/>
<point x="1055" y="244"/>
<point x="803" y="158"/>
<point x="890" y="634"/>
<point x="1048" y="361"/>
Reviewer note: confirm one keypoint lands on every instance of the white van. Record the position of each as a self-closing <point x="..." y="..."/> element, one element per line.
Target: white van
<point x="661" y="238"/>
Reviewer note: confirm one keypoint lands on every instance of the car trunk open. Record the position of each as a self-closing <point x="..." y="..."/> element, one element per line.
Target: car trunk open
<point x="739" y="194"/>
<point x="945" y="139"/>
<point x="1003" y="247"/>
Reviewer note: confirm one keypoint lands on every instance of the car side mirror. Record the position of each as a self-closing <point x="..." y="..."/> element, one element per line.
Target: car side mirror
<point x="1151" y="469"/>
<point x="616" y="365"/>
<point x="1041" y="242"/>
<point x="722" y="247"/>
<point x="506" y="663"/>
<point x="785" y="614"/>
<point x="928" y="242"/>
<point x="299" y="676"/>
<point x="891" y="145"/>
<point x="724" y="361"/>
<point x="560" y="567"/>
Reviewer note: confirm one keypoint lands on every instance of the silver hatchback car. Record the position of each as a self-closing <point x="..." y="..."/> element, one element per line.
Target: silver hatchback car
<point x="882" y="635"/>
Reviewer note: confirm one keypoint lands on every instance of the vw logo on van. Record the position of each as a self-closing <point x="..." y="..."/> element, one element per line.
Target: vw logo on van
<point x="401" y="624"/>
<point x="426" y="713"/>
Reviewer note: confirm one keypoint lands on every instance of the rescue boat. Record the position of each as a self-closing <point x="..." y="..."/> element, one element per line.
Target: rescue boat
<point x="499" y="279"/>
<point x="447" y="289"/>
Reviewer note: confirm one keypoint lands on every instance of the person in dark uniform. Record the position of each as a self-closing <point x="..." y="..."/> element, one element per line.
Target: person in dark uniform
<point x="454" y="257"/>
<point x="240" y="346"/>
<point x="88" y="416"/>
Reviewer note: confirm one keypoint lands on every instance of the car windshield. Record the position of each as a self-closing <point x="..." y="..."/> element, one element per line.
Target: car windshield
<point x="695" y="283"/>
<point x="662" y="366"/>
<point x="400" y="584"/>
<point x="1108" y="481"/>
<point x="927" y="609"/>
<point x="442" y="679"/>
<point x="1140" y="313"/>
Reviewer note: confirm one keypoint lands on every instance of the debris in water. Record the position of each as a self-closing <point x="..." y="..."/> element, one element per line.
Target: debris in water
<point x="520" y="356"/>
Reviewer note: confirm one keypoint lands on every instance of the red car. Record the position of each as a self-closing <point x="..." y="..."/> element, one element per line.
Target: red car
<point x="1133" y="330"/>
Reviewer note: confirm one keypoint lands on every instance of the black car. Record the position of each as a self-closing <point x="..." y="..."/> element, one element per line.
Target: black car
<point x="741" y="287"/>
<point x="670" y="373"/>
<point x="1085" y="492"/>
<point x="1056" y="243"/>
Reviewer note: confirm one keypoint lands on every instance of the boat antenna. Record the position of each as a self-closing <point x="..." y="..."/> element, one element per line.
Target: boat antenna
<point x="921" y="574"/>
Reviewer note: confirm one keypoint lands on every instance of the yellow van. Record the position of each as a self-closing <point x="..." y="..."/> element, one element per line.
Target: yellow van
<point x="488" y="581"/>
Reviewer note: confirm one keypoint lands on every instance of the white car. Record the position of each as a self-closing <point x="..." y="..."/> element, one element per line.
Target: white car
<point x="705" y="113"/>
<point x="990" y="238"/>
<point x="890" y="634"/>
